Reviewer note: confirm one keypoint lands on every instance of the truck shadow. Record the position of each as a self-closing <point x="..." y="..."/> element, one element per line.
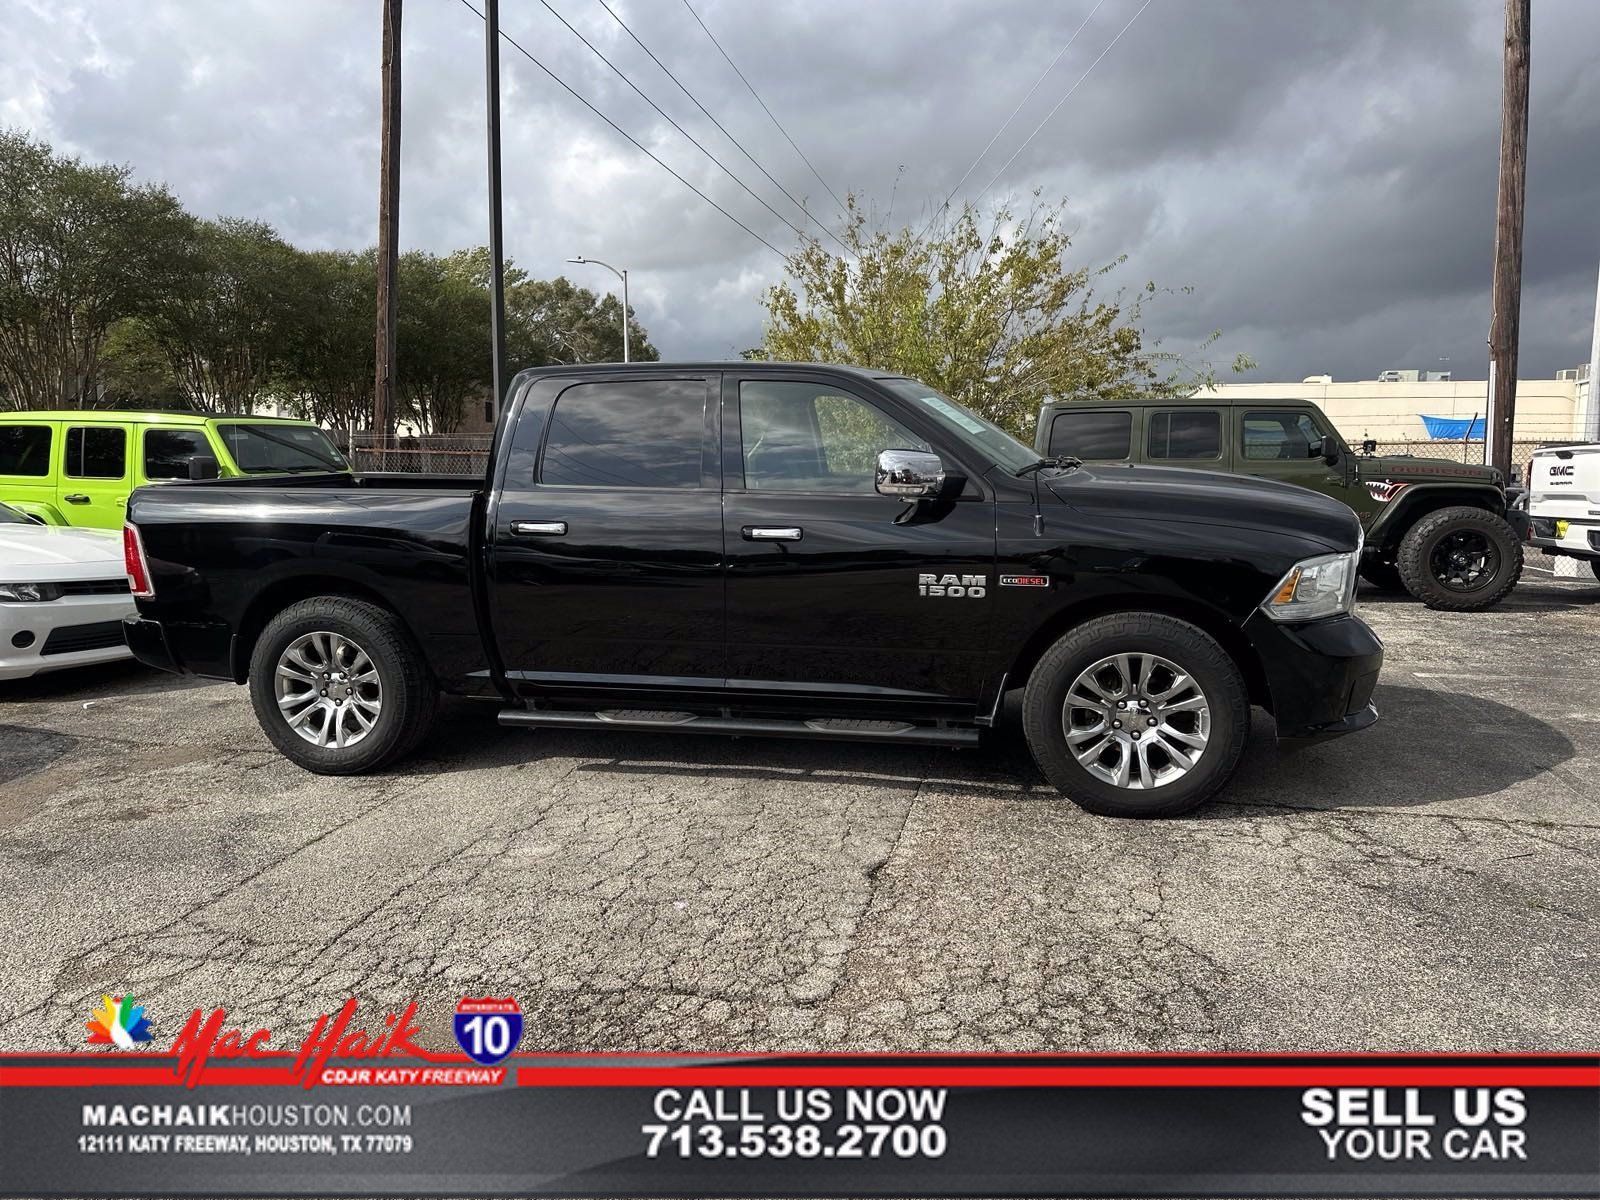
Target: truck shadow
<point x="1430" y="746"/>
<point x="1529" y="596"/>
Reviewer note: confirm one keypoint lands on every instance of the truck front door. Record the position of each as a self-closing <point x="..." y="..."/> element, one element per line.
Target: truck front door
<point x="605" y="556"/>
<point x="836" y="593"/>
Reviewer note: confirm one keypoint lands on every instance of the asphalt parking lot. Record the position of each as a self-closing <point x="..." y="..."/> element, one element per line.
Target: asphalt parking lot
<point x="1433" y="883"/>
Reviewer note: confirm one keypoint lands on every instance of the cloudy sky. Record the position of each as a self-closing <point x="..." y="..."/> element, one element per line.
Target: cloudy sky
<point x="1322" y="174"/>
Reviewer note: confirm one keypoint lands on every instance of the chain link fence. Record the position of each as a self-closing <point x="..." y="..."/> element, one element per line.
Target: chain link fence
<point x="429" y="454"/>
<point x="1467" y="452"/>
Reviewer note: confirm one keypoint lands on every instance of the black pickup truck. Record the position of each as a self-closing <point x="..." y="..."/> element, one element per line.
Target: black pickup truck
<point x="770" y="549"/>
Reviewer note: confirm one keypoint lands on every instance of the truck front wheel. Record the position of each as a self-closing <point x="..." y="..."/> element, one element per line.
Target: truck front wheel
<point x="1136" y="715"/>
<point x="339" y="687"/>
<point x="1460" y="559"/>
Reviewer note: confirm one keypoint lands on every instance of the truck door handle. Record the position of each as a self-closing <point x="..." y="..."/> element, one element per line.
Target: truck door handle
<point x="76" y="498"/>
<point x="539" y="528"/>
<point x="772" y="533"/>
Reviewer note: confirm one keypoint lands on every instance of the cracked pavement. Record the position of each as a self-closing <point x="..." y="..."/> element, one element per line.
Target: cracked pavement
<point x="1432" y="883"/>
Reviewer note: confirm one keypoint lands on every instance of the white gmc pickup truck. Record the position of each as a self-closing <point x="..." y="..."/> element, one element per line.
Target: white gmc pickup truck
<point x="1564" y="502"/>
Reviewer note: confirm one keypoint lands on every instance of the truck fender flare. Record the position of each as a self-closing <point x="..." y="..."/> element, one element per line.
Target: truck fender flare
<point x="1419" y="498"/>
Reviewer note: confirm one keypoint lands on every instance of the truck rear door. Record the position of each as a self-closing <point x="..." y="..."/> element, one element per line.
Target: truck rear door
<point x="94" y="479"/>
<point x="838" y="595"/>
<point x="605" y="536"/>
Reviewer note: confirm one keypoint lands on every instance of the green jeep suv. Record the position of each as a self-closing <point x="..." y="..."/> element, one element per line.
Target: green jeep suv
<point x="1434" y="528"/>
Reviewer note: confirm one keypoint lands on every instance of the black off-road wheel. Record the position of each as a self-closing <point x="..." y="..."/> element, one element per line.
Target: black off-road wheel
<point x="1136" y="715"/>
<point x="1460" y="559"/>
<point x="1384" y="576"/>
<point x="1594" y="565"/>
<point x="340" y="687"/>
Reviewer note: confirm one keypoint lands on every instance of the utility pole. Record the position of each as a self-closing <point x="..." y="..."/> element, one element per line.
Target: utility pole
<point x="388" y="223"/>
<point x="497" y="275"/>
<point x="1506" y="317"/>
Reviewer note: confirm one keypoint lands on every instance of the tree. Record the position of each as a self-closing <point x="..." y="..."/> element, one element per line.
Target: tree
<point x="550" y="321"/>
<point x="328" y="370"/>
<point x="992" y="316"/>
<point x="443" y="341"/>
<point x="227" y="321"/>
<point x="80" y="249"/>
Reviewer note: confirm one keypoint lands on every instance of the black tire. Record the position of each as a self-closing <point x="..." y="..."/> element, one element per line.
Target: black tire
<point x="1044" y="714"/>
<point x="1382" y="575"/>
<point x="1483" y="540"/>
<point x="407" y="701"/>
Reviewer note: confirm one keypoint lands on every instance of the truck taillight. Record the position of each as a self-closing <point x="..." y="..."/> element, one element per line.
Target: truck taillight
<point x="138" y="568"/>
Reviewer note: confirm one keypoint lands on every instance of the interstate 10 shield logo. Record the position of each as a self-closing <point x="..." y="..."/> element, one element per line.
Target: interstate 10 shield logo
<point x="488" y="1029"/>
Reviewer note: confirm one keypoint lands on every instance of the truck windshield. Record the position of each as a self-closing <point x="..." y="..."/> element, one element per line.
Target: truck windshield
<point x="264" y="449"/>
<point x="963" y="424"/>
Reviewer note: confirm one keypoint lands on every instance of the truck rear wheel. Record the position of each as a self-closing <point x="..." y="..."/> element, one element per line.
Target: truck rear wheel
<point x="339" y="687"/>
<point x="1136" y="715"/>
<point x="1460" y="559"/>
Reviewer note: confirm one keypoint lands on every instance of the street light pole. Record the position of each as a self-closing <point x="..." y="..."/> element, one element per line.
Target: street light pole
<point x="622" y="275"/>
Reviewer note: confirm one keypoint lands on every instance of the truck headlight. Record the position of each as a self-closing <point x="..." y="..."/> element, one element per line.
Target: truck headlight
<point x="1324" y="586"/>
<point x="30" y="592"/>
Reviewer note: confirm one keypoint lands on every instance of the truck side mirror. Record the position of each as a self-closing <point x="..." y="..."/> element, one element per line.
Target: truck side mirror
<point x="203" y="466"/>
<point x="909" y="474"/>
<point x="1325" y="448"/>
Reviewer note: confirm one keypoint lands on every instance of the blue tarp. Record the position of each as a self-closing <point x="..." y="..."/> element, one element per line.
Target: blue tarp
<point x="1455" y="428"/>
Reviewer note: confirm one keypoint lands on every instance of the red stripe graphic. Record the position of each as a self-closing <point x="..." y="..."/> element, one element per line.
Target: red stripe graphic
<point x="978" y="1075"/>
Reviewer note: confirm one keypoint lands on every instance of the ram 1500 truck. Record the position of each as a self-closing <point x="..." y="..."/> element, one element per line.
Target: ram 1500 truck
<point x="770" y="549"/>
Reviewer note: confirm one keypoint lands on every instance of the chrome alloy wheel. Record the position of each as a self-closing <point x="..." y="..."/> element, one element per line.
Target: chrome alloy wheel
<point x="328" y="689"/>
<point x="1136" y="721"/>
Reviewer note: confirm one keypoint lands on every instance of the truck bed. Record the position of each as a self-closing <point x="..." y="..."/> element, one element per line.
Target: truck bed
<point x="266" y="542"/>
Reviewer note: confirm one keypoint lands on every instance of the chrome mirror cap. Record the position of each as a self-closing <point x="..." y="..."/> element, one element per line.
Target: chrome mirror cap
<point x="909" y="474"/>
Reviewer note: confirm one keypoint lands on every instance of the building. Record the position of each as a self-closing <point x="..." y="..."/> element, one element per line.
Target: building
<point x="1391" y="411"/>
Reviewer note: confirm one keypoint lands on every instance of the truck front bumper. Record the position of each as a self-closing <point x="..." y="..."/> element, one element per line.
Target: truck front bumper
<point x="1320" y="675"/>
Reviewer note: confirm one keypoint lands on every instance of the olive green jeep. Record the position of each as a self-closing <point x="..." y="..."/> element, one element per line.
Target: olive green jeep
<point x="1434" y="528"/>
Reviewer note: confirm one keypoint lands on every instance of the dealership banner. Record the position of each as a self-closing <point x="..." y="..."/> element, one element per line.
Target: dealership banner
<point x="229" y="1116"/>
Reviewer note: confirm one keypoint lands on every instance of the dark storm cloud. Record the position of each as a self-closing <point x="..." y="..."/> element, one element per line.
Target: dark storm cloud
<point x="1322" y="174"/>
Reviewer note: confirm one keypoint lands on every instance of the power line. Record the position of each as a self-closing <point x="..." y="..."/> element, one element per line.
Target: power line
<point x="595" y="50"/>
<point x="763" y="104"/>
<point x="467" y="4"/>
<point x="1007" y="123"/>
<point x="684" y="89"/>
<point x="1063" y="100"/>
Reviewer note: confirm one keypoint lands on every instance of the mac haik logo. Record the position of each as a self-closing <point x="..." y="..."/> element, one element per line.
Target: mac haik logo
<point x="206" y="1037"/>
<point x="974" y="587"/>
<point x="118" y="1022"/>
<point x="488" y="1029"/>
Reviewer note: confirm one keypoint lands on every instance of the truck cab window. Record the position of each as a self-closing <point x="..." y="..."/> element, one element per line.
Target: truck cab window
<point x="636" y="433"/>
<point x="1278" y="436"/>
<point x="802" y="437"/>
<point x="1089" y="435"/>
<point x="1185" y="434"/>
<point x="97" y="452"/>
